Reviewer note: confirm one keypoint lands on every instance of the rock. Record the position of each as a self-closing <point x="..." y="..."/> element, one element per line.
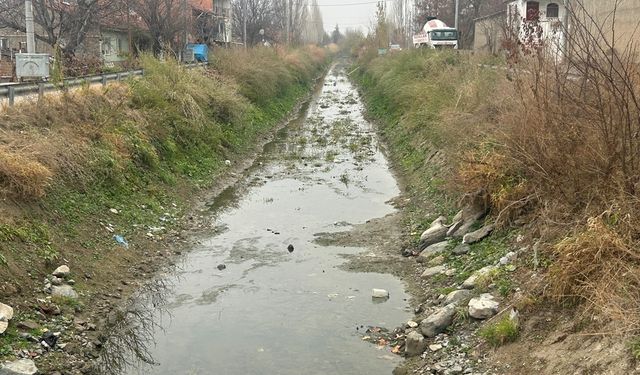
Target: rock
<point x="438" y="321"/>
<point x="483" y="307"/>
<point x="509" y="258"/>
<point x="461" y="249"/>
<point x="28" y="324"/>
<point x="290" y="248"/>
<point x="62" y="271"/>
<point x="19" y="367"/>
<point x="454" y="228"/>
<point x="457" y="297"/>
<point x="379" y="293"/>
<point x="455" y="370"/>
<point x="71" y="282"/>
<point x="6" y="312"/>
<point x="227" y="162"/>
<point x="221" y="267"/>
<point x="437" y="261"/>
<point x="451" y="272"/>
<point x="65" y="291"/>
<point x="478" y="235"/>
<point x="429" y="272"/>
<point x="415" y="344"/>
<point x="437" y="232"/>
<point x="412" y="324"/>
<point x="57" y="281"/>
<point x="435" y="347"/>
<point x="432" y="250"/>
<point x="472" y="280"/>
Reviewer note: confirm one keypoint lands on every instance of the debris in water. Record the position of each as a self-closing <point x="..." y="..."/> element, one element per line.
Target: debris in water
<point x="290" y="248"/>
<point x="221" y="267"/>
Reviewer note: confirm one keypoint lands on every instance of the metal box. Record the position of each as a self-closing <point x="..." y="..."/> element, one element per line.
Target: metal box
<point x="32" y="65"/>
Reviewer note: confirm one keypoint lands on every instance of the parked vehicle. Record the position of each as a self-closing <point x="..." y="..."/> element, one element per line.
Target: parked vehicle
<point x="436" y="34"/>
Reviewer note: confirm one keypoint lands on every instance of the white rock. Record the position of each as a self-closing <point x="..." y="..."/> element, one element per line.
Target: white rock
<point x="471" y="281"/>
<point x="3" y="326"/>
<point x="113" y="211"/>
<point x="435" y="347"/>
<point x="412" y="324"/>
<point x="429" y="272"/>
<point x="379" y="293"/>
<point x="457" y="296"/>
<point x="6" y="312"/>
<point x="65" y="291"/>
<point x="436" y="233"/>
<point x="483" y="307"/>
<point x="227" y="162"/>
<point x="62" y="271"/>
<point x="19" y="367"/>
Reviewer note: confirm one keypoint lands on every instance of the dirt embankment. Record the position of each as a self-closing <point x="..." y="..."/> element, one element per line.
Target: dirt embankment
<point x="482" y="302"/>
<point x="104" y="181"/>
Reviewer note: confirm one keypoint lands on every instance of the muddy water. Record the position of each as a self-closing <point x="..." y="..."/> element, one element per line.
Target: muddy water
<point x="272" y="311"/>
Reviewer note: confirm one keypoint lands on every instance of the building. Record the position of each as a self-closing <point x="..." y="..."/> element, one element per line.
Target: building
<point x="119" y="36"/>
<point x="546" y="21"/>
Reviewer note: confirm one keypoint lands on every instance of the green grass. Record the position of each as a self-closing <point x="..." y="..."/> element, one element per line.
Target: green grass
<point x="500" y="333"/>
<point x="413" y="95"/>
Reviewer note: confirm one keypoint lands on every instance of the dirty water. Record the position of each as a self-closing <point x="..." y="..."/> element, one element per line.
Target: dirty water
<point x="273" y="311"/>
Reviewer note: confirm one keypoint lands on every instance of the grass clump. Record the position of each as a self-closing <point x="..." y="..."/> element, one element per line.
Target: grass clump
<point x="501" y="332"/>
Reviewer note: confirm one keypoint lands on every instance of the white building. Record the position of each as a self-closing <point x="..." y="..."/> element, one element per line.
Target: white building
<point x="540" y="23"/>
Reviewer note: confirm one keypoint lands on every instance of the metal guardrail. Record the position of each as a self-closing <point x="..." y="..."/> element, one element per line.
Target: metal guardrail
<point x="11" y="92"/>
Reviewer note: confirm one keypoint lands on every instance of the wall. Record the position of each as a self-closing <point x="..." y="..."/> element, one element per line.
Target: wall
<point x="489" y="33"/>
<point x="627" y="19"/>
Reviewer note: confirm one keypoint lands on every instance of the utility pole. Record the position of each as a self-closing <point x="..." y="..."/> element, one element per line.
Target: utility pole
<point x="287" y="12"/>
<point x="28" y="13"/>
<point x="458" y="15"/>
<point x="244" y="24"/>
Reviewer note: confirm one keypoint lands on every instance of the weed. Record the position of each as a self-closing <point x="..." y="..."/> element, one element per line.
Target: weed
<point x="344" y="178"/>
<point x="634" y="347"/>
<point x="502" y="332"/>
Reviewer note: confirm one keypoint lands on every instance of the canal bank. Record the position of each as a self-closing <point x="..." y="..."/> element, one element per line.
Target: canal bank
<point x="242" y="301"/>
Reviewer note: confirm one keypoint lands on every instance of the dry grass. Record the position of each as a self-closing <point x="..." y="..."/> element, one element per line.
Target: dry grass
<point x="22" y="175"/>
<point x="567" y="158"/>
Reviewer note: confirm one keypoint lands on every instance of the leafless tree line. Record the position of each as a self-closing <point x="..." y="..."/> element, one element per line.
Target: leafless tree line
<point x="266" y="21"/>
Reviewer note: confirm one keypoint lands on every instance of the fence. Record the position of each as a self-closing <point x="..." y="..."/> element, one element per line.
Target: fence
<point x="12" y="91"/>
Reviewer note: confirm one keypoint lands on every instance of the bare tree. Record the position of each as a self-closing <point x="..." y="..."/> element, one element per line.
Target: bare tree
<point x="59" y="23"/>
<point x="314" y="27"/>
<point x="164" y="19"/>
<point x="259" y="15"/>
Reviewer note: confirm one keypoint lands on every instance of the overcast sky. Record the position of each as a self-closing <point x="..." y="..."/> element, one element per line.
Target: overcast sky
<point x="349" y="14"/>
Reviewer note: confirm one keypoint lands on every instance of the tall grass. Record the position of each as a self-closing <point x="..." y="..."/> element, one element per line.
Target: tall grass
<point x="433" y="106"/>
<point x="141" y="145"/>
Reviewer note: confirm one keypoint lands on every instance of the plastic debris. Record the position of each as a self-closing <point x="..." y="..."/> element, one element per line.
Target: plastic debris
<point x="121" y="241"/>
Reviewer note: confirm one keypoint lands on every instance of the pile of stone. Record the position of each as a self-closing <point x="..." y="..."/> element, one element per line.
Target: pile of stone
<point x="60" y="284"/>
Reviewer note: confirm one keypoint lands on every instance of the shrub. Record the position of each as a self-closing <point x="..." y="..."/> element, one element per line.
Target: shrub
<point x="500" y="333"/>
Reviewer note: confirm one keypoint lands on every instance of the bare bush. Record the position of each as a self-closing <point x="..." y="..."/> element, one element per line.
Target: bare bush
<point x="569" y="155"/>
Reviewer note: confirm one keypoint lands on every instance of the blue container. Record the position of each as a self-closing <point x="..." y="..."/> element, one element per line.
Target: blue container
<point x="200" y="52"/>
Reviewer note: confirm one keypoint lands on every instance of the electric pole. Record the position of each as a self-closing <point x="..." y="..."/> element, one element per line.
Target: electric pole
<point x="244" y="24"/>
<point x="28" y="15"/>
<point x="287" y="12"/>
<point x="457" y="15"/>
